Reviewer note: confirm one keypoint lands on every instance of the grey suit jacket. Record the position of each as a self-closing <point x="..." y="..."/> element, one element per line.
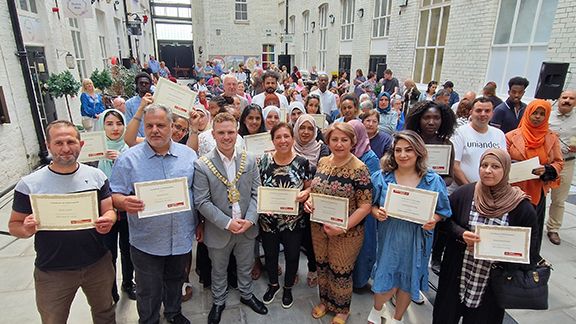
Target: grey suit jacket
<point x="211" y="198"/>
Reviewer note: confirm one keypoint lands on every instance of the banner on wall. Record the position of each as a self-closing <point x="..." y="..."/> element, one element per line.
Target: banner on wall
<point x="230" y="62"/>
<point x="77" y="8"/>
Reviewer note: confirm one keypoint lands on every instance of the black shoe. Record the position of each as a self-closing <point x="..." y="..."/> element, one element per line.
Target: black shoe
<point x="130" y="289"/>
<point x="435" y="266"/>
<point x="179" y="319"/>
<point x="255" y="304"/>
<point x="215" y="313"/>
<point x="287" y="299"/>
<point x="271" y="294"/>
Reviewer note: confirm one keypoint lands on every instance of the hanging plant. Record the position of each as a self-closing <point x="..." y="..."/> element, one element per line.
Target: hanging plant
<point x="63" y="85"/>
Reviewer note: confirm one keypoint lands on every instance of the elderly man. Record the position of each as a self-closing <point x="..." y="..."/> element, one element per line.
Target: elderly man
<point x="327" y="98"/>
<point x="225" y="189"/>
<point x="230" y="90"/>
<point x="507" y="115"/>
<point x="71" y="259"/>
<point x="159" y="245"/>
<point x="119" y="104"/>
<point x="270" y="82"/>
<point x="563" y="122"/>
<point x="468" y="98"/>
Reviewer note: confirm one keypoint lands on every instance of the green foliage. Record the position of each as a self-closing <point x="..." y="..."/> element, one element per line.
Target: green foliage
<point x="102" y="80"/>
<point x="63" y="84"/>
<point x="122" y="82"/>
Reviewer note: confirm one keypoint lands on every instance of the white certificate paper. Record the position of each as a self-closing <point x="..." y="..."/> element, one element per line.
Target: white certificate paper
<point x="410" y="204"/>
<point x="503" y="243"/>
<point x="163" y="197"/>
<point x="439" y="158"/>
<point x="171" y="94"/>
<point x="278" y="200"/>
<point x="258" y="144"/>
<point x="522" y="171"/>
<point x="330" y="210"/>
<point x="65" y="212"/>
<point x="320" y="120"/>
<point x="284" y="115"/>
<point x="94" y="147"/>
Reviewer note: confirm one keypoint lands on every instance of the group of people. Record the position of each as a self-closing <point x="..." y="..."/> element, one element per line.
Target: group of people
<point x="364" y="143"/>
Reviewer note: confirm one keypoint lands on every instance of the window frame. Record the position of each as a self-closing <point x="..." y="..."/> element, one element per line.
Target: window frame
<point x="305" y="38"/>
<point x="323" y="35"/>
<point x="347" y="25"/>
<point x="266" y="63"/>
<point x="239" y="14"/>
<point x="380" y="18"/>
<point x="78" y="49"/>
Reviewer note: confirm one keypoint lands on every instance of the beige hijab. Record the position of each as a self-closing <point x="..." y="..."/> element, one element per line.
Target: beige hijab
<point x="500" y="199"/>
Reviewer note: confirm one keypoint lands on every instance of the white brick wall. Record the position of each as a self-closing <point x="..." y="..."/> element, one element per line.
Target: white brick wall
<point x="17" y="140"/>
<point x="562" y="45"/>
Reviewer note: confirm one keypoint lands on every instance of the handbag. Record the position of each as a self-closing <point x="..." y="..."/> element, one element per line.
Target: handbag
<point x="521" y="289"/>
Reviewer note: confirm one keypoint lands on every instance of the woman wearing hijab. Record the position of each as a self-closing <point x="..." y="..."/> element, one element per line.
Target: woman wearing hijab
<point x="271" y="116"/>
<point x="113" y="123"/>
<point x="464" y="290"/>
<point x="533" y="138"/>
<point x="295" y="110"/>
<point x="388" y="116"/>
<point x="307" y="146"/>
<point x="404" y="247"/>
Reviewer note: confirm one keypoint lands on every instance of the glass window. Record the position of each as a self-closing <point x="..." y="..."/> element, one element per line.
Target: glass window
<point x="347" y="28"/>
<point x="381" y="20"/>
<point x="268" y="56"/>
<point x="323" y="34"/>
<point x="241" y="8"/>
<point x="305" y="39"/>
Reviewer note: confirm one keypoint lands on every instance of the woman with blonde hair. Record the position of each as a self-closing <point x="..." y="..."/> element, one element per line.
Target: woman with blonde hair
<point x="91" y="104"/>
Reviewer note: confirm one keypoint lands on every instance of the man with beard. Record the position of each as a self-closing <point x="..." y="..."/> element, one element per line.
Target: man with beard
<point x="507" y="115"/>
<point x="143" y="83"/>
<point x="71" y="259"/>
<point x="327" y="98"/>
<point x="270" y="81"/>
<point x="159" y="245"/>
<point x="563" y="122"/>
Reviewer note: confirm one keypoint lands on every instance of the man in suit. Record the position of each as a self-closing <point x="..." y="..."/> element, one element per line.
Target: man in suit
<point x="225" y="190"/>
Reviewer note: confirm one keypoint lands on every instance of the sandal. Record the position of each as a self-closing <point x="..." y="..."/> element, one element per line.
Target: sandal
<point x="319" y="311"/>
<point x="376" y="316"/>
<point x="312" y="279"/>
<point x="338" y="319"/>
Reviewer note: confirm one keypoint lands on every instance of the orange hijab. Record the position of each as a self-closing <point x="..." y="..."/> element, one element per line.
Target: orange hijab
<point x="534" y="137"/>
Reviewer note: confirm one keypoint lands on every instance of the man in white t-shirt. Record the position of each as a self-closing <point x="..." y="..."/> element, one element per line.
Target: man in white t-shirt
<point x="327" y="98"/>
<point x="473" y="139"/>
<point x="270" y="81"/>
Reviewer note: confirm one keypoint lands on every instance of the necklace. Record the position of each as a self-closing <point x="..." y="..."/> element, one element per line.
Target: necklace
<point x="233" y="192"/>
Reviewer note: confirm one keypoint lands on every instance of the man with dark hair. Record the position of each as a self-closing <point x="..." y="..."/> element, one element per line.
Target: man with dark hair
<point x="507" y="115"/>
<point x="143" y="82"/>
<point x="159" y="245"/>
<point x="327" y="98"/>
<point x="442" y="97"/>
<point x="389" y="83"/>
<point x="270" y="82"/>
<point x="454" y="97"/>
<point x="73" y="258"/>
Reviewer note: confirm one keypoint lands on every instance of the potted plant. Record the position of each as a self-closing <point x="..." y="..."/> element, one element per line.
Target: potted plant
<point x="63" y="85"/>
<point x="102" y="79"/>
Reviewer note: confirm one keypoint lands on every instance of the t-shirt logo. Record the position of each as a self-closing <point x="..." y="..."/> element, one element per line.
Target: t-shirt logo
<point x="482" y="145"/>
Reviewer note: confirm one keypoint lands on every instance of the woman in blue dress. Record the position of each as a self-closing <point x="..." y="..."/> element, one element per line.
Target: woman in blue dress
<point x="404" y="247"/>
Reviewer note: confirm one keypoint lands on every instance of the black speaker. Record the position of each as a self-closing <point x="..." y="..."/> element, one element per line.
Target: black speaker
<point x="551" y="80"/>
<point x="284" y="59"/>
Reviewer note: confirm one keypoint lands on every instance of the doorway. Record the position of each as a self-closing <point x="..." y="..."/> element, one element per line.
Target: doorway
<point x="39" y="72"/>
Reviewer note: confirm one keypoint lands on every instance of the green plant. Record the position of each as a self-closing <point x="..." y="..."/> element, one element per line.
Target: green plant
<point x="122" y="82"/>
<point x="102" y="79"/>
<point x="63" y="85"/>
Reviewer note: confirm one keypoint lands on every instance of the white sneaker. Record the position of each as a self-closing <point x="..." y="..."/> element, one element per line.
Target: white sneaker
<point x="376" y="316"/>
<point x="419" y="300"/>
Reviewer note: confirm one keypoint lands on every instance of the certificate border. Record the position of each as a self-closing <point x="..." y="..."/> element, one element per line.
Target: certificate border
<point x="441" y="146"/>
<point x="95" y="135"/>
<point x="93" y="195"/>
<point x="532" y="176"/>
<point x="256" y="136"/>
<point x="169" y="85"/>
<point x="186" y="207"/>
<point x="323" y="196"/>
<point x="323" y="120"/>
<point x="527" y="233"/>
<point x="296" y="203"/>
<point x="408" y="217"/>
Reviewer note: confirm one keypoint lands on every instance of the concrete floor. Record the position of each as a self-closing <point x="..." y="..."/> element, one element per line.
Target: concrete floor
<point x="18" y="304"/>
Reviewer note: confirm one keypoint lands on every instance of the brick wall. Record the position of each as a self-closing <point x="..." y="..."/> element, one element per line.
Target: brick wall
<point x="562" y="44"/>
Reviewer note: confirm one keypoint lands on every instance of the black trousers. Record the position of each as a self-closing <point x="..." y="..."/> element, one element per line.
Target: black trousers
<point x="439" y="241"/>
<point x="119" y="236"/>
<point x="308" y="247"/>
<point x="160" y="280"/>
<point x="291" y="241"/>
<point x="540" y="214"/>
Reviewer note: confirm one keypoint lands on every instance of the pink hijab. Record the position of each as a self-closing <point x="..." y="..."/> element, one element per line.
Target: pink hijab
<point x="362" y="141"/>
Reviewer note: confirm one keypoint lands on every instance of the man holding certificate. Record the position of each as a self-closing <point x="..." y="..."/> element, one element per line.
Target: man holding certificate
<point x="52" y="204"/>
<point x="464" y="286"/>
<point x="152" y="183"/>
<point x="226" y="184"/>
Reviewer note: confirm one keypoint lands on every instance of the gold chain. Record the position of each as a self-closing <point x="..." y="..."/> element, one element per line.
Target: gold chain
<point x="233" y="192"/>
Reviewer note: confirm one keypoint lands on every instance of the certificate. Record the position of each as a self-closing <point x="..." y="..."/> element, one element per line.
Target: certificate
<point x="170" y="94"/>
<point x="65" y="212"/>
<point x="330" y="210"/>
<point x="439" y="158"/>
<point x="283" y="115"/>
<point x="94" y="147"/>
<point x="320" y="120"/>
<point x="503" y="243"/>
<point x="410" y="204"/>
<point x="521" y="171"/>
<point x="258" y="144"/>
<point x="278" y="200"/>
<point x="163" y="197"/>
